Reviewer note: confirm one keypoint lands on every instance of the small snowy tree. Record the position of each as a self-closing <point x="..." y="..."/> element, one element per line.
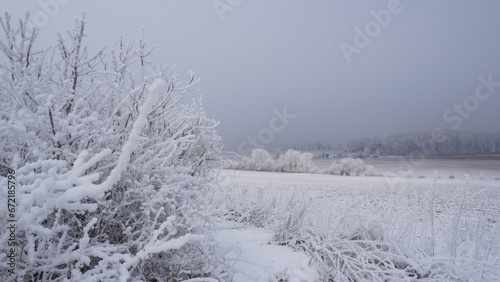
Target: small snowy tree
<point x="296" y="161"/>
<point x="350" y="166"/>
<point x="259" y="160"/>
<point x="291" y="161"/>
<point x="111" y="167"/>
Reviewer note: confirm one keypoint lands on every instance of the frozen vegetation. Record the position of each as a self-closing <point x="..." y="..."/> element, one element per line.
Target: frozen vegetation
<point x="300" y="162"/>
<point x="290" y="161"/>
<point x="428" y="143"/>
<point x="111" y="168"/>
<point x="117" y="181"/>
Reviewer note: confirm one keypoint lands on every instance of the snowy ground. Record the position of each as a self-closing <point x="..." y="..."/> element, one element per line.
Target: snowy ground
<point x="254" y="259"/>
<point x="405" y="197"/>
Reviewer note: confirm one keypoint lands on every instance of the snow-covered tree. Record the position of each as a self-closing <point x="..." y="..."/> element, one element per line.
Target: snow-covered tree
<point x="290" y="161"/>
<point x="296" y="161"/>
<point x="259" y="160"/>
<point x="427" y="143"/>
<point x="111" y="167"/>
<point x="350" y="166"/>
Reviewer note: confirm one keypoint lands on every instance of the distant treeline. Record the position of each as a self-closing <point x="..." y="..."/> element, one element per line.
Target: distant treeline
<point x="422" y="143"/>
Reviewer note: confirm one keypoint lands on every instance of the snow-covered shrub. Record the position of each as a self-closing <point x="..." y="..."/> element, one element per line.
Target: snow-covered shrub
<point x="299" y="162"/>
<point x="291" y="161"/>
<point x="296" y="161"/>
<point x="260" y="160"/>
<point x="247" y="207"/>
<point x="350" y="166"/>
<point x="111" y="169"/>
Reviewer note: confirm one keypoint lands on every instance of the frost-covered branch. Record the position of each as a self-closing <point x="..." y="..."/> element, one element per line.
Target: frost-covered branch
<point x="110" y="164"/>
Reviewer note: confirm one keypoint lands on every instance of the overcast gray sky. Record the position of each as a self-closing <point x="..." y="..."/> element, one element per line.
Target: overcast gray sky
<point x="340" y="69"/>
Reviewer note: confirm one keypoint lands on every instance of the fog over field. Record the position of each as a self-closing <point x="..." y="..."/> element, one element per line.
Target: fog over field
<point x="232" y="140"/>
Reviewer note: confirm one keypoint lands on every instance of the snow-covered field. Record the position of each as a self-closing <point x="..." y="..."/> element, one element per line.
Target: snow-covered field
<point x="429" y="203"/>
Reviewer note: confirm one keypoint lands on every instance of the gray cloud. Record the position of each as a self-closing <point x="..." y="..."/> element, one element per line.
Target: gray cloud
<point x="267" y="55"/>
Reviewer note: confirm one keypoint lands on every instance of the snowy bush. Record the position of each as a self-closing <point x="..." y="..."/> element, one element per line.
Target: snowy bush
<point x="291" y="161"/>
<point x="111" y="169"/>
<point x="260" y="160"/>
<point x="299" y="162"/>
<point x="295" y="161"/>
<point x="350" y="166"/>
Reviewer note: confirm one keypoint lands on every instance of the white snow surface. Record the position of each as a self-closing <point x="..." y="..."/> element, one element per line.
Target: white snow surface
<point x="392" y="198"/>
<point x="255" y="259"/>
